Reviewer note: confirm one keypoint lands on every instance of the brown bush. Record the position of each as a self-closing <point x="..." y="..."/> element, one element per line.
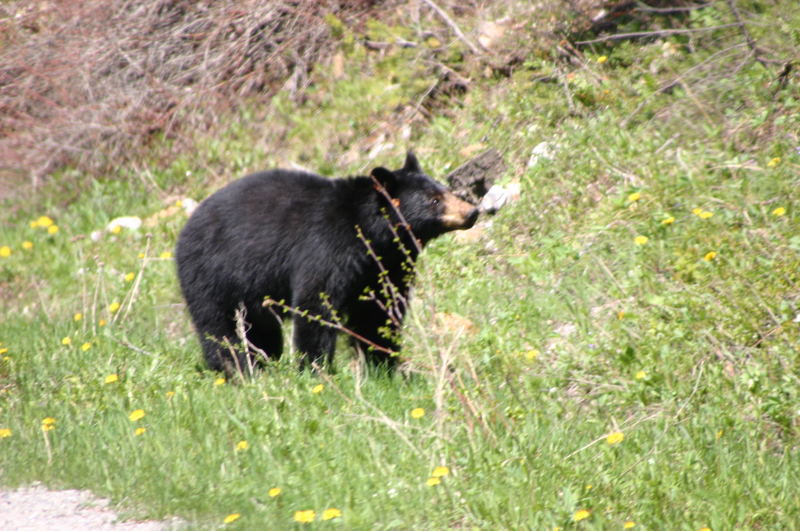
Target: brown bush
<point x="89" y="83"/>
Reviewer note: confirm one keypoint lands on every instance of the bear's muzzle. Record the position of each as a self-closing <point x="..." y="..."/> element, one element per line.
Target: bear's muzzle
<point x="458" y="214"/>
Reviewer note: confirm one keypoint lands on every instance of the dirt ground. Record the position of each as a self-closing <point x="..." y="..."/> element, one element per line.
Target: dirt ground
<point x="36" y="508"/>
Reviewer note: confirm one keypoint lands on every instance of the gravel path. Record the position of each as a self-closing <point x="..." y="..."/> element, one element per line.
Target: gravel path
<point x="36" y="508"/>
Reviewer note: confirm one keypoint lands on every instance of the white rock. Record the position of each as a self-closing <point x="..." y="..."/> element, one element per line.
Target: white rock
<point x="499" y="196"/>
<point x="544" y="151"/>
<point x="189" y="205"/>
<point x="126" y="222"/>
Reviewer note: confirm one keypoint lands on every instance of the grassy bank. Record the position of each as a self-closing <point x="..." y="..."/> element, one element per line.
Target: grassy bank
<point x="619" y="345"/>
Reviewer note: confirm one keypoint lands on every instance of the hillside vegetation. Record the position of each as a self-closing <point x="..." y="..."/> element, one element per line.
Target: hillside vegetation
<point x="617" y="348"/>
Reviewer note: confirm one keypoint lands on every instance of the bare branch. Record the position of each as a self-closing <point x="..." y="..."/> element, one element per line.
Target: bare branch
<point x="677" y="9"/>
<point x="747" y="37"/>
<point x="453" y="26"/>
<point x="324" y="322"/>
<point x="656" y="33"/>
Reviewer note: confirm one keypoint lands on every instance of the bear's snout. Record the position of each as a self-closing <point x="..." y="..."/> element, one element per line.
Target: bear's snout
<point x="472" y="217"/>
<point x="458" y="214"/>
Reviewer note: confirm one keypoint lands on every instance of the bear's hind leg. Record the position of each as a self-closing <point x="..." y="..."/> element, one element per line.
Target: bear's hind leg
<point x="222" y="349"/>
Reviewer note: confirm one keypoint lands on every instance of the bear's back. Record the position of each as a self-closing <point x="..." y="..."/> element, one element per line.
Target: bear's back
<point x="269" y="188"/>
<point x="265" y="214"/>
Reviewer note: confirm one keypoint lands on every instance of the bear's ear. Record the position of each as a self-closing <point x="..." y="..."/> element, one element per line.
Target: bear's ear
<point x="385" y="178"/>
<point x="412" y="164"/>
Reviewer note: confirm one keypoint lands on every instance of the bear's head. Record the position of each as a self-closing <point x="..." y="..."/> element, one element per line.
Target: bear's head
<point x="428" y="207"/>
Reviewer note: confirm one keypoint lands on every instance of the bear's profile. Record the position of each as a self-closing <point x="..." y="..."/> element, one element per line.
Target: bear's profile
<point x="332" y="250"/>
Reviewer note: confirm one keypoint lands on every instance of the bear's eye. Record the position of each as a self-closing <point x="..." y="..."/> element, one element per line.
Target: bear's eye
<point x="434" y="201"/>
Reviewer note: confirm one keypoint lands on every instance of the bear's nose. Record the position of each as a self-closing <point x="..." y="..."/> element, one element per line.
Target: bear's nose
<point x="470" y="219"/>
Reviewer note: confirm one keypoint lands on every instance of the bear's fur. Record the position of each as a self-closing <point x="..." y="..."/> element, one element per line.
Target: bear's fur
<point x="324" y="247"/>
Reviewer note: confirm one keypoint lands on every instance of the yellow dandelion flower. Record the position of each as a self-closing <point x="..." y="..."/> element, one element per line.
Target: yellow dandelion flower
<point x="417" y="413"/>
<point x="778" y="212"/>
<point x="136" y="414"/>
<point x="669" y="220"/>
<point x="48" y="423"/>
<point x="77" y="316"/>
<point x="242" y="445"/>
<point x="111" y="378"/>
<point x="440" y="472"/>
<point x="5" y="432"/>
<point x="615" y="438"/>
<point x="621" y="315"/>
<point x="42" y="221"/>
<point x="165" y="255"/>
<point x="102" y="322"/>
<point x="115" y="229"/>
<point x="433" y="42"/>
<point x="52" y="229"/>
<point x="178" y="203"/>
<point x="317" y="389"/>
<point x="219" y="381"/>
<point x="773" y="162"/>
<point x="641" y="375"/>
<point x="304" y="517"/>
<point x="635" y="196"/>
<point x="5" y="251"/>
<point x="113" y="307"/>
<point x="705" y="214"/>
<point x="139" y="431"/>
<point x="589" y="487"/>
<point x="531" y="354"/>
<point x="66" y="340"/>
<point x="432" y="482"/>
<point x="27" y="245"/>
<point x="709" y="256"/>
<point x="86" y="346"/>
<point x="3" y="350"/>
<point x="705" y="529"/>
<point x="169" y="394"/>
<point x="231" y="518"/>
<point x="129" y="277"/>
<point x="719" y="434"/>
<point x="640" y="240"/>
<point x="697" y="211"/>
<point x="140" y="256"/>
<point x="629" y="524"/>
<point x="330" y="514"/>
<point x="602" y="59"/>
<point x="274" y="492"/>
<point x="583" y="514"/>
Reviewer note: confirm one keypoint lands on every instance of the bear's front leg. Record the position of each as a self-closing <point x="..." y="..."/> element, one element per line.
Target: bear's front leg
<point x="316" y="301"/>
<point x="315" y="342"/>
<point x="374" y="328"/>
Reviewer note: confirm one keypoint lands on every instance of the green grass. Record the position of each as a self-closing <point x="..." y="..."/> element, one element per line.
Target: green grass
<point x="577" y="331"/>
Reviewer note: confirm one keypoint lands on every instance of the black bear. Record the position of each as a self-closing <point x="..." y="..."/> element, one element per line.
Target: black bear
<point x="332" y="251"/>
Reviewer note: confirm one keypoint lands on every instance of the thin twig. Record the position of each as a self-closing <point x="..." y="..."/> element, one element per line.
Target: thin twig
<point x="453" y="26"/>
<point x="381" y="417"/>
<point x="657" y="33"/>
<point x="563" y="81"/>
<point x="747" y="37"/>
<point x="648" y="9"/>
<point x="335" y="325"/>
<point x="675" y="81"/>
